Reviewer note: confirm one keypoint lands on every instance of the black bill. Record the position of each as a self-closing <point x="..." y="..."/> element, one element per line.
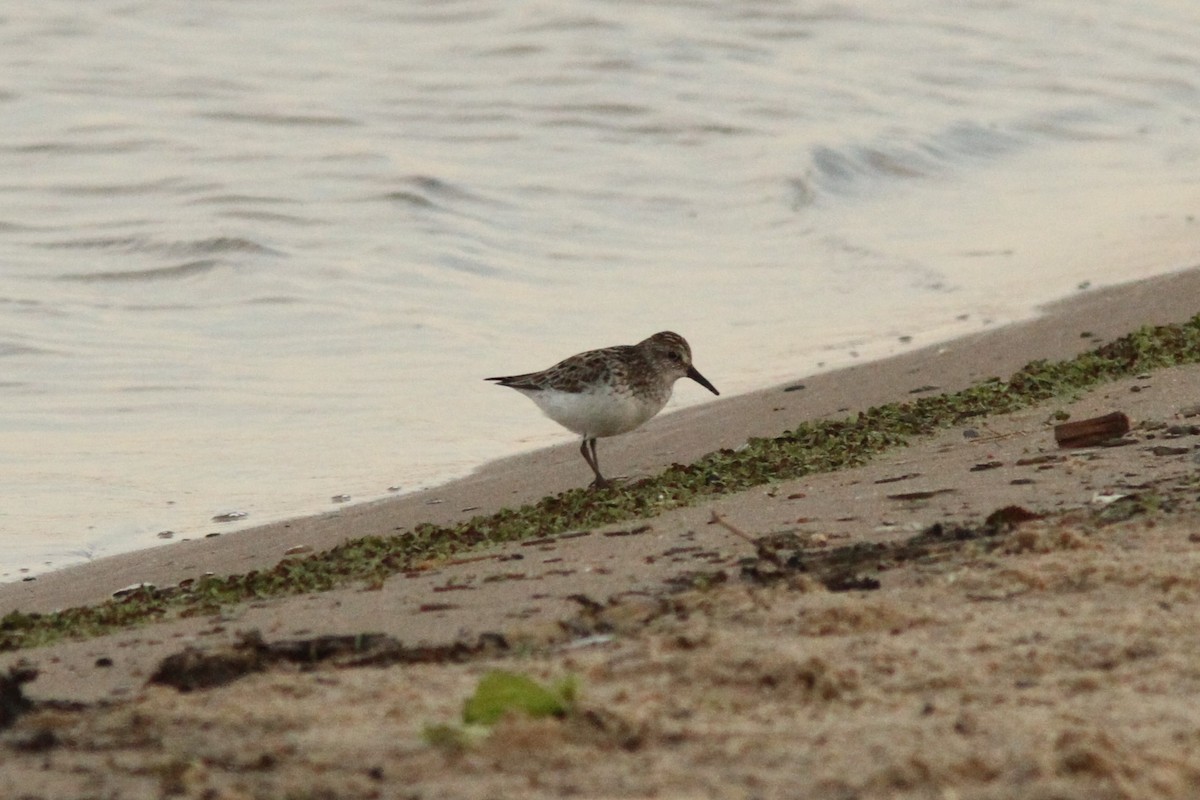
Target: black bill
<point x="695" y="375"/>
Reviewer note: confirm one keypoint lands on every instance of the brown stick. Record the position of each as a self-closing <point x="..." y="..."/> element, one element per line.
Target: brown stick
<point x="729" y="526"/>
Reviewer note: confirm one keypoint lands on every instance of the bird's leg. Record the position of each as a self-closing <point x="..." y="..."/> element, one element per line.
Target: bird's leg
<point x="593" y="462"/>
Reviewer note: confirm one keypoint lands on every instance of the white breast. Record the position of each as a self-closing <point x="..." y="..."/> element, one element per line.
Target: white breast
<point x="598" y="413"/>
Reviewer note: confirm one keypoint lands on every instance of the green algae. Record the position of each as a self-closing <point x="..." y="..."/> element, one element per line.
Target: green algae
<point x="502" y="692"/>
<point x="810" y="447"/>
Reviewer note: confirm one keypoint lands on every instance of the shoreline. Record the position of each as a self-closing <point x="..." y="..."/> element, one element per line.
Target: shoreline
<point x="977" y="611"/>
<point x="681" y="436"/>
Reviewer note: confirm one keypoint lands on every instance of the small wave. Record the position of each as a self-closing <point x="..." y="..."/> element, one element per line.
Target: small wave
<point x="848" y="168"/>
<point x="583" y="22"/>
<point x="156" y="388"/>
<point x="519" y="50"/>
<point x="142" y="244"/>
<point x="469" y="266"/>
<point x="427" y="192"/>
<point x="269" y="216"/>
<point x="224" y="244"/>
<point x="12" y="349"/>
<point x="239" y="199"/>
<point x="1074" y="125"/>
<point x="613" y="109"/>
<point x="410" y="198"/>
<point x="289" y="120"/>
<point x="164" y="185"/>
<point x="185" y="270"/>
<point x="86" y="148"/>
<point x="127" y="243"/>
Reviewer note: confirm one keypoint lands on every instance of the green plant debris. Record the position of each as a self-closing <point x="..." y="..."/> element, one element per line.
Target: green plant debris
<point x="451" y="738"/>
<point x="810" y="447"/>
<point x="1134" y="505"/>
<point x="500" y="692"/>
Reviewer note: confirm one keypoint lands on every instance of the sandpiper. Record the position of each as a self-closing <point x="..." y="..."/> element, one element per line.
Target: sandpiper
<point x="609" y="391"/>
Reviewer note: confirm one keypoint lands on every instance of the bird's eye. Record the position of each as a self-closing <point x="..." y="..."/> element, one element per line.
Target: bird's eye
<point x="677" y="357"/>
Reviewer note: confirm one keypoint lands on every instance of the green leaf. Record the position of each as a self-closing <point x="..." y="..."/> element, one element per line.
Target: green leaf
<point x="499" y="692"/>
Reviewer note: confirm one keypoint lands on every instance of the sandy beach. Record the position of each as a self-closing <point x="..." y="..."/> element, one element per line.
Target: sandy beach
<point x="870" y="632"/>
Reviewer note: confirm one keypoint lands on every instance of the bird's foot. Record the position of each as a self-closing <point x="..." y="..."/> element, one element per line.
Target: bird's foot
<point x="608" y="483"/>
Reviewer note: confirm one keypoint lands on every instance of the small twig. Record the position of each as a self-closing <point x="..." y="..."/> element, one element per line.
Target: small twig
<point x="992" y="435"/>
<point x="729" y="526"/>
<point x="736" y="531"/>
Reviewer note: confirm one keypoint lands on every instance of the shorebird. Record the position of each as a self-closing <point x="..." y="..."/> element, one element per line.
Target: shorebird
<point x="609" y="391"/>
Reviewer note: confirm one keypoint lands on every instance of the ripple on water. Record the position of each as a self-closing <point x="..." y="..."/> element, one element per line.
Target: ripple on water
<point x="187" y="269"/>
<point x="146" y="244"/>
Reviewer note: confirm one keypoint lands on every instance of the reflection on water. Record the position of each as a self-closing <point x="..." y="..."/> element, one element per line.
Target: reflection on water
<point x="259" y="258"/>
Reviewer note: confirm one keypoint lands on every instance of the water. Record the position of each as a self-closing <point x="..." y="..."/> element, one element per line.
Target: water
<point x="254" y="255"/>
